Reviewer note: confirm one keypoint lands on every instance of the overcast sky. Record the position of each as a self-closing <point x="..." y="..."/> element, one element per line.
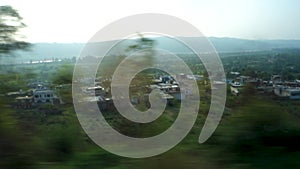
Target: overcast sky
<point x="78" y="21"/>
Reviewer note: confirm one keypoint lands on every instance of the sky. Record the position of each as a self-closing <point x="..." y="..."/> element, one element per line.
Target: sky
<point x="66" y="21"/>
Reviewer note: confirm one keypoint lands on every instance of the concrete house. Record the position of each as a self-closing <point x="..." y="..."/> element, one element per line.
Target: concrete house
<point x="287" y="92"/>
<point x="43" y="96"/>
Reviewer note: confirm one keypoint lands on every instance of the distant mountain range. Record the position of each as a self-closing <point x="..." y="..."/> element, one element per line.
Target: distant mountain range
<point x="239" y="45"/>
<point x="234" y="45"/>
<point x="42" y="51"/>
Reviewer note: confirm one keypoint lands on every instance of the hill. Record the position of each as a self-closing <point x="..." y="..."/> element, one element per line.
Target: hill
<point x="41" y="51"/>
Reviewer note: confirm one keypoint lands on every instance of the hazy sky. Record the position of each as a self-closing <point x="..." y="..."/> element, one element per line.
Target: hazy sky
<point x="77" y="21"/>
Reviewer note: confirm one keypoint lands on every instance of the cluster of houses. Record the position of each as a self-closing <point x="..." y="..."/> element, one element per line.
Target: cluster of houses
<point x="287" y="89"/>
<point x="38" y="93"/>
<point x="276" y="86"/>
<point x="167" y="85"/>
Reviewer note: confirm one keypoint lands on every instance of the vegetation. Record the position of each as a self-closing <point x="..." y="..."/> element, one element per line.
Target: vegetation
<point x="283" y="62"/>
<point x="256" y="130"/>
<point x="10" y="24"/>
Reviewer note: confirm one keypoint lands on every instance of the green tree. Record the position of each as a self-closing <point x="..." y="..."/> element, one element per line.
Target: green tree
<point x="14" y="148"/>
<point x="10" y="25"/>
<point x="63" y="75"/>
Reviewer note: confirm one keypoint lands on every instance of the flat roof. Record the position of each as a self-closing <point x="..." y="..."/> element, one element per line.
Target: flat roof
<point x="96" y="87"/>
<point x="293" y="90"/>
<point x="24" y="98"/>
<point x="43" y="91"/>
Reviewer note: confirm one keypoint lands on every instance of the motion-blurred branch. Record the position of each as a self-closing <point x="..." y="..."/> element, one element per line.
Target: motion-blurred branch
<point x="10" y="25"/>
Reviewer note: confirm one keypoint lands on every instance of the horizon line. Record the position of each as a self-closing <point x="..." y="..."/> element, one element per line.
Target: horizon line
<point x="220" y="37"/>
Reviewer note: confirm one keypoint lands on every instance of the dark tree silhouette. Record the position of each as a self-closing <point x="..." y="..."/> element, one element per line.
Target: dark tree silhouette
<point x="10" y="24"/>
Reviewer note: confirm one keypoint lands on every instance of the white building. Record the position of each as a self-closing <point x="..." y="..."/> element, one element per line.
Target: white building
<point x="288" y="92"/>
<point x="96" y="90"/>
<point x="43" y="96"/>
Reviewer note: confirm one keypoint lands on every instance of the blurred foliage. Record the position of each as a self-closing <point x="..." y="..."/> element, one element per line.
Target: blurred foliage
<point x="63" y="75"/>
<point x="10" y="24"/>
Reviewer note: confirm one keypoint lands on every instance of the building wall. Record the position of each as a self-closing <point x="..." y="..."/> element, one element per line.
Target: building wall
<point x="43" y="96"/>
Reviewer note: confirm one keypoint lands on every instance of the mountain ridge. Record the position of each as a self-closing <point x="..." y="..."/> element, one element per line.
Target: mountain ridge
<point x="41" y="51"/>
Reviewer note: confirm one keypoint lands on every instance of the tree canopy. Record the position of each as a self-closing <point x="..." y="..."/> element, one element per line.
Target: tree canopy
<point x="10" y="25"/>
